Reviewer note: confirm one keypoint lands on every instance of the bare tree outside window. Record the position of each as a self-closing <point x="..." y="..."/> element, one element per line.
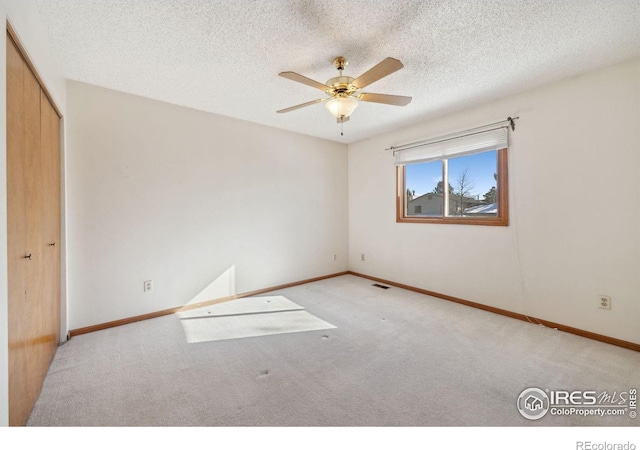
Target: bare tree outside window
<point x="463" y="189"/>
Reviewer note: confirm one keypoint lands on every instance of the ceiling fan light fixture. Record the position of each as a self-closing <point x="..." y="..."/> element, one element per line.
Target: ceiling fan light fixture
<point x="341" y="107"/>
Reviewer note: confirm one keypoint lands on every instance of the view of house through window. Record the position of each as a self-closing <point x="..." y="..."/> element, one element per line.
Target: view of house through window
<point x="471" y="187"/>
<point x="458" y="189"/>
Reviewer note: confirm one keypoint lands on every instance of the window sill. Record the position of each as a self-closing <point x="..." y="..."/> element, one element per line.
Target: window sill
<point x="496" y="222"/>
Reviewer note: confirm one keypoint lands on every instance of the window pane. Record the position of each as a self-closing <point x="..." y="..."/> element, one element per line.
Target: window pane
<point x="474" y="182"/>
<point x="423" y="188"/>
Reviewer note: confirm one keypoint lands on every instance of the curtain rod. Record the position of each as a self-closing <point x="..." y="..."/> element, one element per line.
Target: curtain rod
<point x="509" y="120"/>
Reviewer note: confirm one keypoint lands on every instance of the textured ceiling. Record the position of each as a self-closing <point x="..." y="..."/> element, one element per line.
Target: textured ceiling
<point x="224" y="56"/>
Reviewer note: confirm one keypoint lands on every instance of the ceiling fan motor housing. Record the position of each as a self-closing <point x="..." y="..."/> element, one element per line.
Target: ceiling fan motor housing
<point x="341" y="86"/>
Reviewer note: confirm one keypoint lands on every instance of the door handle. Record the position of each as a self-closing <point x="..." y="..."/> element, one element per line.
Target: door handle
<point x="53" y="244"/>
<point x="27" y="256"/>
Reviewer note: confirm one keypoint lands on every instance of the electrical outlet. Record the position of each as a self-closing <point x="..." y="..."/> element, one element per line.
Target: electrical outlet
<point x="604" y="302"/>
<point x="148" y="286"/>
<point x="362" y="257"/>
<point x="335" y="257"/>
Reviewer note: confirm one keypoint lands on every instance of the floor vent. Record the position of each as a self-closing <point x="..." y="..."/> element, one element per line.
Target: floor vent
<point x="380" y="286"/>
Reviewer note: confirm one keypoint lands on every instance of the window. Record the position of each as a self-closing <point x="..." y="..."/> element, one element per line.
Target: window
<point x="457" y="180"/>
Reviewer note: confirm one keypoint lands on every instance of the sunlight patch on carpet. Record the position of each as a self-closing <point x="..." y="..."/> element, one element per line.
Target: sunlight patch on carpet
<point x="248" y="317"/>
<point x="246" y="305"/>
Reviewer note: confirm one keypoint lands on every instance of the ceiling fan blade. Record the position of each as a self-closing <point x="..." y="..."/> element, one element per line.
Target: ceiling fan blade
<point x="398" y="100"/>
<point x="302" y="105"/>
<point x="381" y="70"/>
<point x="304" y="80"/>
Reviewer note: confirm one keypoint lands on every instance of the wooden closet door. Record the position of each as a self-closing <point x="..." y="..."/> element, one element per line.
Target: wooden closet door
<point x="48" y="216"/>
<point x="20" y="395"/>
<point x="33" y="218"/>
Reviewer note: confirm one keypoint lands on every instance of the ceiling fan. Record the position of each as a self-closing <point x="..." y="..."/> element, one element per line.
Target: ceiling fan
<point x="343" y="90"/>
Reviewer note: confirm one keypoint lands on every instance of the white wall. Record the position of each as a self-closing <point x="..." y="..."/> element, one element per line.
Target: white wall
<point x="189" y="200"/>
<point x="24" y="18"/>
<point x="574" y="209"/>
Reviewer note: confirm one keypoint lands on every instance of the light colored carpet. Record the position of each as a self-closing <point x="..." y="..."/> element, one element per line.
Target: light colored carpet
<point x="396" y="358"/>
<point x="248" y="317"/>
